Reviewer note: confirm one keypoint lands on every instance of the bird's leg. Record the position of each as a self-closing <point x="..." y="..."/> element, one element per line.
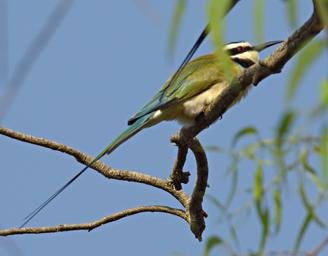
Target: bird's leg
<point x="178" y="176"/>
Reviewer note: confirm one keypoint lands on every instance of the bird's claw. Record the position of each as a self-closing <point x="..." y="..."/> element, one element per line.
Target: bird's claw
<point x="177" y="179"/>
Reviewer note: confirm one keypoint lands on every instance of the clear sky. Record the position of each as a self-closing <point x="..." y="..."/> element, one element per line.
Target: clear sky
<point x="104" y="62"/>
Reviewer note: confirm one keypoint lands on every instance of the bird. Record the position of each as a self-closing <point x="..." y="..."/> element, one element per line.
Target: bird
<point x="183" y="97"/>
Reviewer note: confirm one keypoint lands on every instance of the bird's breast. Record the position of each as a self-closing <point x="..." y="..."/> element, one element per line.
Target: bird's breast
<point x="194" y="106"/>
<point x="187" y="111"/>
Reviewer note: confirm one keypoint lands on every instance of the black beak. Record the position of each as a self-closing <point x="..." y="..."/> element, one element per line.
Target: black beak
<point x="263" y="46"/>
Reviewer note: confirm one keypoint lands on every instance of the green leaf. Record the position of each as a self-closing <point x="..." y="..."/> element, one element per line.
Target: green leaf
<point x="263" y="213"/>
<point x="211" y="243"/>
<point x="224" y="210"/>
<point x="324" y="157"/>
<point x="324" y="93"/>
<point x="305" y="163"/>
<point x="284" y="127"/>
<point x="303" y="62"/>
<point x="310" y="170"/>
<point x="175" y="25"/>
<point x="234" y="235"/>
<point x="292" y="13"/>
<point x="258" y="183"/>
<point x="308" y="206"/>
<point x="323" y="11"/>
<point x="216" y="13"/>
<point x="265" y="229"/>
<point x="216" y="202"/>
<point x="277" y="209"/>
<point x="259" y="10"/>
<point x="234" y="182"/>
<point x="214" y="148"/>
<point x="249" y="130"/>
<point x="302" y="231"/>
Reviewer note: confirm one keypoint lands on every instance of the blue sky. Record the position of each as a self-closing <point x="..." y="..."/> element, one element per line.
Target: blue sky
<point x="103" y="63"/>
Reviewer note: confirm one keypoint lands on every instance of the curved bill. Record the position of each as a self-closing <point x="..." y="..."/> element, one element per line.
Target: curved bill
<point x="263" y="46"/>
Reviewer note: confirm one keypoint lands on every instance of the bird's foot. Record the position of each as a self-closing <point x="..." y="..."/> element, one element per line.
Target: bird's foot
<point x="176" y="179"/>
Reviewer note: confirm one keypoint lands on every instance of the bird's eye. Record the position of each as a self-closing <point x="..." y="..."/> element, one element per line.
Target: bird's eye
<point x="240" y="49"/>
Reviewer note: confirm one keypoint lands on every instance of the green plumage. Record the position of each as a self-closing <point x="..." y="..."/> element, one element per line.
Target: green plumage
<point x="197" y="76"/>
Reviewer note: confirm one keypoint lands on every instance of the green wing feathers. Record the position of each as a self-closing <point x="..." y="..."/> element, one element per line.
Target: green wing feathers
<point x="196" y="77"/>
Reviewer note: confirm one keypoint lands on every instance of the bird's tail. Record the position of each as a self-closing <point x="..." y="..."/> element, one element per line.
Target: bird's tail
<point x="128" y="133"/>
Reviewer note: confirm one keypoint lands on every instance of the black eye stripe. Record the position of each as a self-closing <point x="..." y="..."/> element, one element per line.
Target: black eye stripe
<point x="246" y="63"/>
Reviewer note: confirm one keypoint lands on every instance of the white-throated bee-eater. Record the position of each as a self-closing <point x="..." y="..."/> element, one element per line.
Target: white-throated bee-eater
<point x="196" y="86"/>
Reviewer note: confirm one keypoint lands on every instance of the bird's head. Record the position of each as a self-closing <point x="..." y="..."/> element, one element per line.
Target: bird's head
<point x="244" y="54"/>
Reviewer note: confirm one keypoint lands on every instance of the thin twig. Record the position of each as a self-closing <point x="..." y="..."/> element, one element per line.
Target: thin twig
<point x="319" y="248"/>
<point x="95" y="224"/>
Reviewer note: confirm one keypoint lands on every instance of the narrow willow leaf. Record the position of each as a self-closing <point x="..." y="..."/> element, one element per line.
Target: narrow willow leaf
<point x="324" y="157"/>
<point x="175" y="25"/>
<point x="324" y="93"/>
<point x="265" y="229"/>
<point x="303" y="62"/>
<point x="258" y="183"/>
<point x="277" y="210"/>
<point x="310" y="170"/>
<point x="216" y="13"/>
<point x="211" y="243"/>
<point x="259" y="10"/>
<point x="284" y="127"/>
<point x="221" y="207"/>
<point x="249" y="130"/>
<point x="308" y="206"/>
<point x="234" y="182"/>
<point x="263" y="213"/>
<point x="305" y="163"/>
<point x="216" y="202"/>
<point x="234" y="235"/>
<point x="323" y="11"/>
<point x="214" y="148"/>
<point x="292" y="12"/>
<point x="300" y="235"/>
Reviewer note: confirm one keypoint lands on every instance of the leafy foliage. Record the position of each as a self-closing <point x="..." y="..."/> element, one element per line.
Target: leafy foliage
<point x="303" y="62"/>
<point x="292" y="151"/>
<point x="259" y="6"/>
<point x="175" y="25"/>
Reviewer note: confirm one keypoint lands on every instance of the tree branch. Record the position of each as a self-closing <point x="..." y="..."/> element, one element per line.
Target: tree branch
<point x="253" y="75"/>
<point x="195" y="209"/>
<point x="95" y="224"/>
<point x="99" y="166"/>
<point x="178" y="176"/>
<point x="196" y="212"/>
<point x="271" y="65"/>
